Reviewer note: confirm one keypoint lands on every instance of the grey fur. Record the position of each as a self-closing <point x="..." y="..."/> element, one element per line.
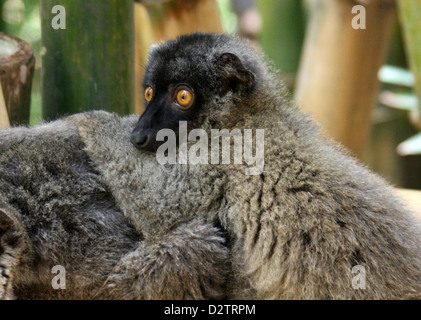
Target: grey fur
<point x="56" y="209"/>
<point x="294" y="232"/>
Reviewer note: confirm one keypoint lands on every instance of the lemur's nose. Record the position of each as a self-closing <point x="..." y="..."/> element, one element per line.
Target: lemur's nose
<point x="139" y="139"/>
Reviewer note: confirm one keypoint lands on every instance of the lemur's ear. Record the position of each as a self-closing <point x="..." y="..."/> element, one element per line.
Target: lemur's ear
<point x="235" y="76"/>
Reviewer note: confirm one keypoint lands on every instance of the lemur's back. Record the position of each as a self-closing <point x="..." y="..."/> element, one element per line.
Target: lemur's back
<point x="319" y="224"/>
<point x="300" y="226"/>
<point x="64" y="213"/>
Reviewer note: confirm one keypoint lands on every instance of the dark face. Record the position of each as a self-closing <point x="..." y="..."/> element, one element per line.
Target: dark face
<point x="182" y="79"/>
<point x="166" y="105"/>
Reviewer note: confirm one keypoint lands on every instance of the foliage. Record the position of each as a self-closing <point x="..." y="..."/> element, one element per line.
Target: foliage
<point x="401" y="96"/>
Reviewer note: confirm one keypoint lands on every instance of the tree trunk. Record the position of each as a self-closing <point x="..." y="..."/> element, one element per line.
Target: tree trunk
<point x="179" y="17"/>
<point x="89" y="64"/>
<point x="410" y="14"/>
<point x="337" y="80"/>
<point x="4" y="118"/>
<point x="17" y="64"/>
<point x="143" y="39"/>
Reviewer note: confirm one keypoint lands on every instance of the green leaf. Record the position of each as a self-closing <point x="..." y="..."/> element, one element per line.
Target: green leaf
<point x="411" y="146"/>
<point x="396" y="76"/>
<point x="398" y="100"/>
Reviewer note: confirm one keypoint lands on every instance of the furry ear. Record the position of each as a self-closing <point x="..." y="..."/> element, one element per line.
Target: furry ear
<point x="235" y="76"/>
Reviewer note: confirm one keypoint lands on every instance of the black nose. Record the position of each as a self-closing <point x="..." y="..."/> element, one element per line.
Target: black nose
<point x="139" y="139"/>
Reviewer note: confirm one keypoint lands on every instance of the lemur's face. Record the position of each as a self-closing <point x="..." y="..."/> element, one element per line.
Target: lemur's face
<point x="182" y="80"/>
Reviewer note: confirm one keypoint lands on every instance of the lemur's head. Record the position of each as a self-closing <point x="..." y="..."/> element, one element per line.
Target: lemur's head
<point x="196" y="78"/>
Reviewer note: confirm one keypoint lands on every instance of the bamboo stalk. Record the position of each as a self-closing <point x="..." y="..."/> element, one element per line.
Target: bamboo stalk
<point x="89" y="64"/>
<point x="2" y="22"/>
<point x="337" y="81"/>
<point x="282" y="33"/>
<point x="412" y="198"/>
<point x="185" y="16"/>
<point x="143" y="39"/>
<point x="410" y="17"/>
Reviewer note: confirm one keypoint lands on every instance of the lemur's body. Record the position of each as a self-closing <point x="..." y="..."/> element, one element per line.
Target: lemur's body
<point x="295" y="231"/>
<point x="56" y="209"/>
<point x="314" y="213"/>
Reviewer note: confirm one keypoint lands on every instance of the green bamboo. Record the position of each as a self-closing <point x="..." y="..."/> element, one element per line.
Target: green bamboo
<point x="283" y="32"/>
<point x="4" y="26"/>
<point x="90" y="64"/>
<point x="2" y="23"/>
<point x="410" y="15"/>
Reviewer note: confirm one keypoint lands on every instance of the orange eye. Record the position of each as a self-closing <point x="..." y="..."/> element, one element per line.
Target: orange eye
<point x="148" y="94"/>
<point x="184" y="98"/>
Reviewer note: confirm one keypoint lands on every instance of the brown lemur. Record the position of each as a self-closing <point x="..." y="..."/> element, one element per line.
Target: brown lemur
<point x="297" y="229"/>
<point x="77" y="193"/>
<point x="56" y="209"/>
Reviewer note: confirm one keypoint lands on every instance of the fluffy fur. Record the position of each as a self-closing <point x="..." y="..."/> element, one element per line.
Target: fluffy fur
<point x="57" y="209"/>
<point x="297" y="229"/>
<point x="293" y="232"/>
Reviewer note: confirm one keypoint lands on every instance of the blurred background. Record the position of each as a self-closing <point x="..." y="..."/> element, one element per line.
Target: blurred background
<point x="362" y="84"/>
